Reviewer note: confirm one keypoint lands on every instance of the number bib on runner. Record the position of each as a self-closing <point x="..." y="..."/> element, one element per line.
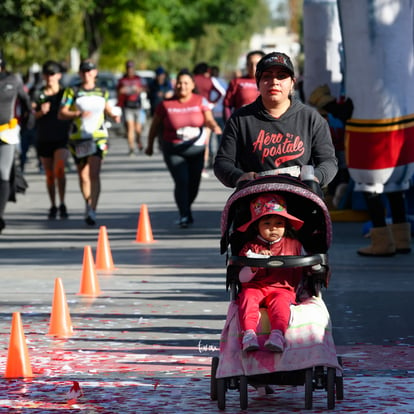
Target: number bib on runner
<point x="85" y="148"/>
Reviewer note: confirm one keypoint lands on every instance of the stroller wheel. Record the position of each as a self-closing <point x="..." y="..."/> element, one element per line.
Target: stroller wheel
<point x="339" y="384"/>
<point x="221" y="393"/>
<point x="243" y="392"/>
<point x="308" y="388"/>
<point x="339" y="388"/>
<point x="213" y="379"/>
<point x="330" y="387"/>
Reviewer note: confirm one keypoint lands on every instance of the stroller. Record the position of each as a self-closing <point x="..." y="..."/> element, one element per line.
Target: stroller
<point x="309" y="358"/>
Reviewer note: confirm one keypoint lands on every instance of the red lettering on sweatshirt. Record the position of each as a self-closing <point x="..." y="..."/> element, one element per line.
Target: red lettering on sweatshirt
<point x="280" y="147"/>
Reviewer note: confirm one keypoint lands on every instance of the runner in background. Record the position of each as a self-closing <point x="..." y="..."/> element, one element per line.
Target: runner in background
<point x="210" y="88"/>
<point x="11" y="90"/>
<point x="180" y="121"/>
<point x="52" y="137"/>
<point x="218" y="116"/>
<point x="242" y="90"/>
<point x="87" y="106"/>
<point x="129" y="91"/>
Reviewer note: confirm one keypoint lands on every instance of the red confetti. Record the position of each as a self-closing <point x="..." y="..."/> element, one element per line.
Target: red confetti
<point x="75" y="392"/>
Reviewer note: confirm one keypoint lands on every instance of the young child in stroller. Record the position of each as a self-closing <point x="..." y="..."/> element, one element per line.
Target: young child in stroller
<point x="274" y="235"/>
<point x="288" y="268"/>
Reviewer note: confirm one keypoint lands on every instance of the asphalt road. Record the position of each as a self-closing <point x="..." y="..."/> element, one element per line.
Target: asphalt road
<point x="169" y="294"/>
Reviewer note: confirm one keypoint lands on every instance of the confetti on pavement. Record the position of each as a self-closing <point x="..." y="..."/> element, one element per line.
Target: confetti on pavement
<point x="377" y="379"/>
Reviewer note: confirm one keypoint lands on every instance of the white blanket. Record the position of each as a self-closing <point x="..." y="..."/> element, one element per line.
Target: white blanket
<point x="309" y="343"/>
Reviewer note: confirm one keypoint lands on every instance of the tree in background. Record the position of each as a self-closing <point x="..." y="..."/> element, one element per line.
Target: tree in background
<point x="175" y="33"/>
<point x="295" y="16"/>
<point x="36" y="30"/>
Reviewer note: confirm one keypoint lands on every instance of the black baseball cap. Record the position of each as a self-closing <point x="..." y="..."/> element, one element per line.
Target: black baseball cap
<point x="271" y="60"/>
<point x="51" y="67"/>
<point x="86" y="66"/>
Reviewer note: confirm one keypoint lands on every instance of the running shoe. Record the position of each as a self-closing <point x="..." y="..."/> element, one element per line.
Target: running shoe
<point x="52" y="213"/>
<point x="276" y="341"/>
<point x="63" y="213"/>
<point x="90" y="216"/>
<point x="249" y="341"/>
<point x="183" y="222"/>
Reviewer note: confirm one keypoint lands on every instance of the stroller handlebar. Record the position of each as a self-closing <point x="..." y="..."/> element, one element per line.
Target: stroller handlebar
<point x="280" y="261"/>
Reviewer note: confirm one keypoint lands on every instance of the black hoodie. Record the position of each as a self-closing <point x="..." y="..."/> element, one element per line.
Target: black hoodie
<point x="253" y="140"/>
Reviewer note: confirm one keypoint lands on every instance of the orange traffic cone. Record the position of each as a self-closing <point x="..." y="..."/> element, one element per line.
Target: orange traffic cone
<point x="144" y="231"/>
<point x="18" y="363"/>
<point x="89" y="282"/>
<point x="60" y="322"/>
<point x="103" y="251"/>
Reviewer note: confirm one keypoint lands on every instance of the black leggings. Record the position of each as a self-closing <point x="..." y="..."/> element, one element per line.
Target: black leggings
<point x="376" y="208"/>
<point x="185" y="164"/>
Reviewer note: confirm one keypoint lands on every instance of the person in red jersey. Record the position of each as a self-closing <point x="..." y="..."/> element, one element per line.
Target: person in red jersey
<point x="182" y="119"/>
<point x="242" y="90"/>
<point x="207" y="85"/>
<point x="129" y="99"/>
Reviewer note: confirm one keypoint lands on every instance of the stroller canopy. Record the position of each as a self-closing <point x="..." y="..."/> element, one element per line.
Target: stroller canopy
<point x="316" y="232"/>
